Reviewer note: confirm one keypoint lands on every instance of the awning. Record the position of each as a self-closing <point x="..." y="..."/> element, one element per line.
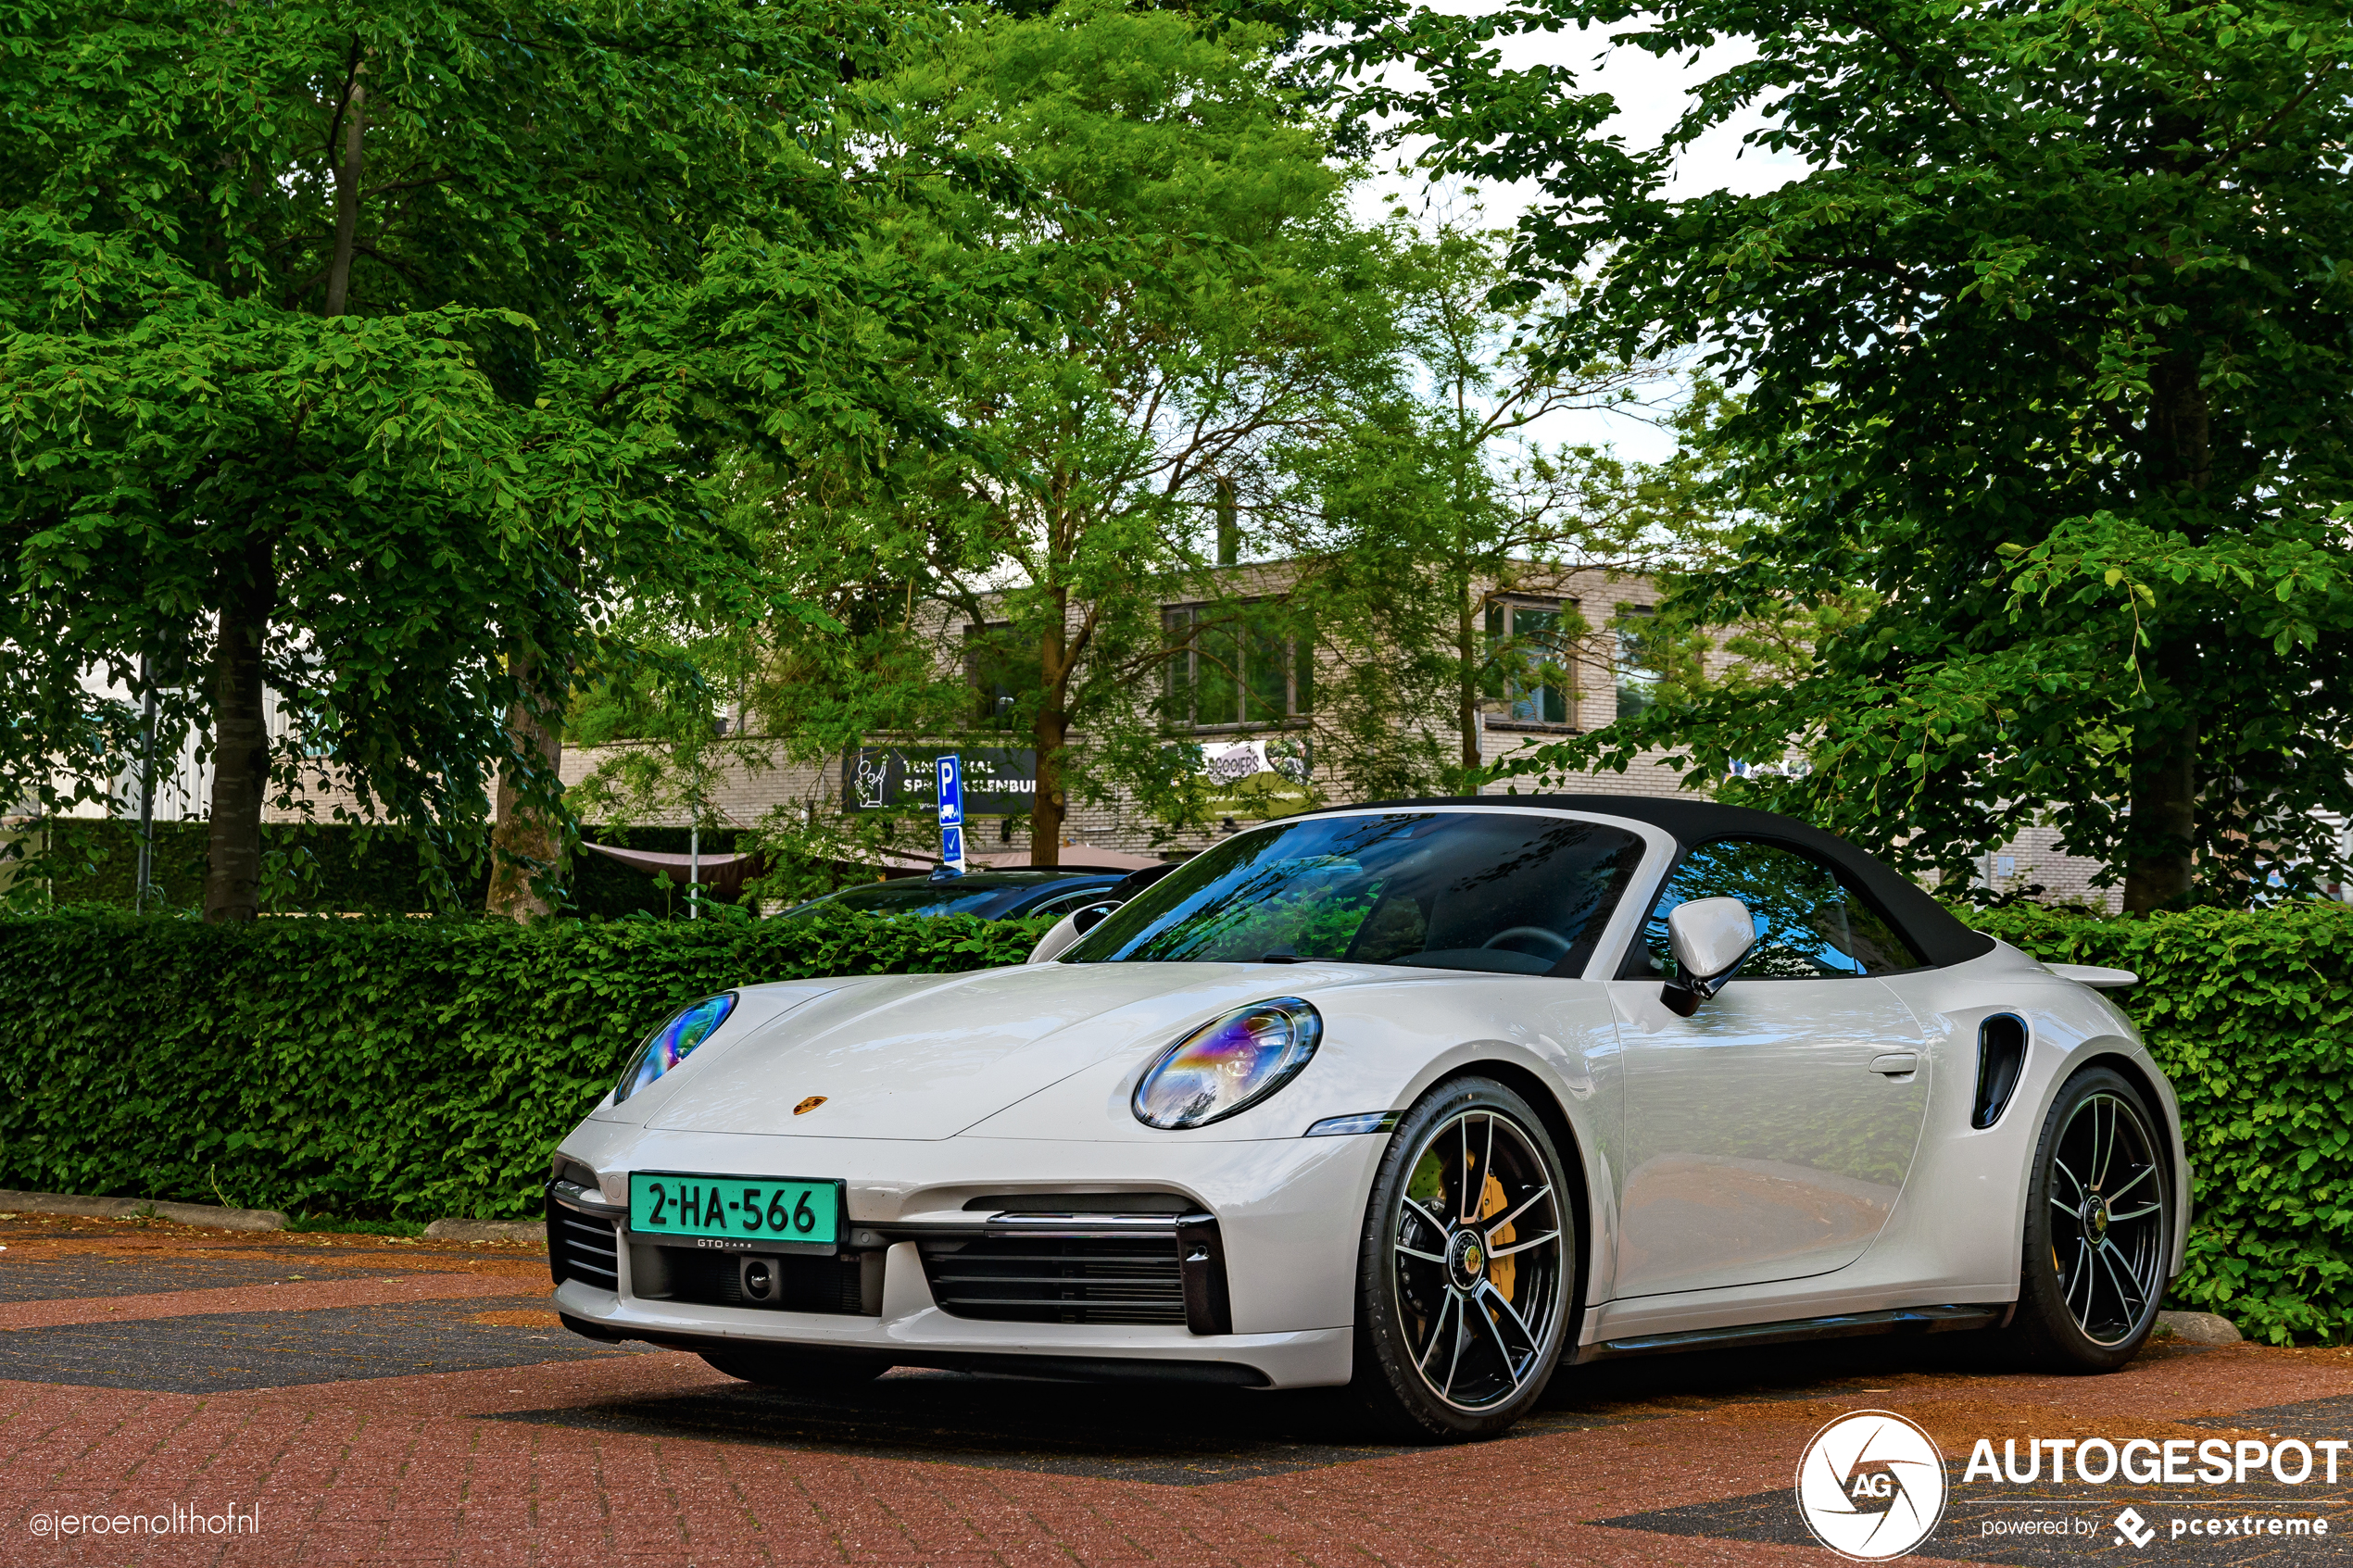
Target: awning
<point x="722" y="875"/>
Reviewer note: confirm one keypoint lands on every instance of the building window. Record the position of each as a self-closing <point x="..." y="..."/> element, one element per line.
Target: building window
<point x="1003" y="670"/>
<point x="1528" y="652"/>
<point x="1638" y="673"/>
<point x="1237" y="664"/>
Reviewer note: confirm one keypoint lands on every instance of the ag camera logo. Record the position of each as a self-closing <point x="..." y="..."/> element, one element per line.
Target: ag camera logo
<point x="1870" y="1485"/>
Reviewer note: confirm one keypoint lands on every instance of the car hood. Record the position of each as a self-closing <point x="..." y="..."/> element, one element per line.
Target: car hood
<point x="925" y="1057"/>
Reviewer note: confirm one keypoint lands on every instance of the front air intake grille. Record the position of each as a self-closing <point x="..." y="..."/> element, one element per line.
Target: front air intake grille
<point x="587" y="1248"/>
<point x="581" y="1246"/>
<point x="797" y="1284"/>
<point x="1045" y="1278"/>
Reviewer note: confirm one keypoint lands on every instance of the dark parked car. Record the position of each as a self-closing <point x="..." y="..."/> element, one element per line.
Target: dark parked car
<point x="1008" y="895"/>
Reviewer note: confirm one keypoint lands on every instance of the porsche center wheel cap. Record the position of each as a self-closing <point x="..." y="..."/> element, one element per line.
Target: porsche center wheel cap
<point x="1467" y="1260"/>
<point x="2095" y="1216"/>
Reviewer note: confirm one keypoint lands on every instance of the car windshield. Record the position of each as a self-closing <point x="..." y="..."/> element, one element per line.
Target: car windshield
<point x="1503" y="892"/>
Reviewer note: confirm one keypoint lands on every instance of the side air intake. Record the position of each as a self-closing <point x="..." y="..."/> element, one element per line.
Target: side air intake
<point x="2001" y="1054"/>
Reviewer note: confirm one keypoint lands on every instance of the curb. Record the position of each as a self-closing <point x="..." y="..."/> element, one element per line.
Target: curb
<point x="2200" y="1328"/>
<point x="532" y="1234"/>
<point x="141" y="1208"/>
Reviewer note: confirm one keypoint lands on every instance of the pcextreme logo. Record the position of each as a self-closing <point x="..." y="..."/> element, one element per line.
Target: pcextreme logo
<point x="1870" y="1485"/>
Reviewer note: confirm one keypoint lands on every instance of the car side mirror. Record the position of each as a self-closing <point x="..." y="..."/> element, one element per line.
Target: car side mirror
<point x="1069" y="929"/>
<point x="1711" y="939"/>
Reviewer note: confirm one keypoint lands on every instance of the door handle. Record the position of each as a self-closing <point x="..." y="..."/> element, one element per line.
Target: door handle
<point x="1896" y="1063"/>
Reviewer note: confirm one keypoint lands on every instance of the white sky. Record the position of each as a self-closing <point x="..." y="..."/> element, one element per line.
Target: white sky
<point x="1651" y="94"/>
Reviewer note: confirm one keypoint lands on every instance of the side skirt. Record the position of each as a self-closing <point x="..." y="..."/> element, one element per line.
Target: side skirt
<point x="1842" y="1325"/>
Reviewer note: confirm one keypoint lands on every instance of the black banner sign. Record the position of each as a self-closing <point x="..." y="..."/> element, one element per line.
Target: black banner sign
<point x="999" y="781"/>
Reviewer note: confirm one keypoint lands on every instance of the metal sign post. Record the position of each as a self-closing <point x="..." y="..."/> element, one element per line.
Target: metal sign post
<point x="951" y="815"/>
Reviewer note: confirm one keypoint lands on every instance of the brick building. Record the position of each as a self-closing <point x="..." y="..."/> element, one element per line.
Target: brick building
<point x="1584" y="667"/>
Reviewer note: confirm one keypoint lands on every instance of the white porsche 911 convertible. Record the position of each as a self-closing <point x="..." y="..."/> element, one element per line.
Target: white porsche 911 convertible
<point x="1427" y="1098"/>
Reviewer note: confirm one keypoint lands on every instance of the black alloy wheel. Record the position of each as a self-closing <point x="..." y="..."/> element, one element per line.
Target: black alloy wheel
<point x="788" y="1368"/>
<point x="1467" y="1267"/>
<point x="2100" y="1227"/>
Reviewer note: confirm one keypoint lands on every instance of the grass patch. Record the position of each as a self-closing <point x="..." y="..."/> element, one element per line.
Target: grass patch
<point x="355" y="1227"/>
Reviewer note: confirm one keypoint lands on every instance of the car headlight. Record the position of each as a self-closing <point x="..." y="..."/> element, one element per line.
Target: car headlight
<point x="673" y="1043"/>
<point x="1228" y="1064"/>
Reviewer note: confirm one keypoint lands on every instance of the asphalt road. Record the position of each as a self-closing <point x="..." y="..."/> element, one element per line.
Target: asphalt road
<point x="263" y="1399"/>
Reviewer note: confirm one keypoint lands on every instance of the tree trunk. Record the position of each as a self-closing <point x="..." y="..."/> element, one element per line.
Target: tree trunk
<point x="2162" y="831"/>
<point x="527" y="847"/>
<point x="2161" y="835"/>
<point x="240" y="742"/>
<point x="355" y="124"/>
<point x="1050" y="807"/>
<point x="1467" y="679"/>
<point x="241" y="728"/>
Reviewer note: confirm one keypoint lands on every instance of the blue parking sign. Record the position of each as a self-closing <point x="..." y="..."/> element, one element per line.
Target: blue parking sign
<point x="952" y="813"/>
<point x="951" y="791"/>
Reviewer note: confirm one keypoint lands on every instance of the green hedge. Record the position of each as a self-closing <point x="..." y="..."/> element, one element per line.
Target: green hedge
<point x="406" y="1070"/>
<point x="396" y="1068"/>
<point x="2251" y="1015"/>
<point x="346" y="870"/>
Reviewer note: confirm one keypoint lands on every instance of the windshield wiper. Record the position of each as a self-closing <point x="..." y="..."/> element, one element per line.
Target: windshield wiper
<point x="1283" y="955"/>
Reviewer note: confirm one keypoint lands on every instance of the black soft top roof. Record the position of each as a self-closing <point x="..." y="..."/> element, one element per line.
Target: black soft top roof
<point x="1941" y="939"/>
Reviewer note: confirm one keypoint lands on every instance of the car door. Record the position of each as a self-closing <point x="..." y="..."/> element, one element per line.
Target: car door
<point x="1767" y="1135"/>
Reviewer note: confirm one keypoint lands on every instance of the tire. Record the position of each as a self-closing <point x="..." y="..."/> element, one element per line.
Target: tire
<point x="2099" y="1228"/>
<point x="1454" y="1342"/>
<point x="805" y="1369"/>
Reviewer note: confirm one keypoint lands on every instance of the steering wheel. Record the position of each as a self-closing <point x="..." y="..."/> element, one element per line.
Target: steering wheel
<point x="1559" y="944"/>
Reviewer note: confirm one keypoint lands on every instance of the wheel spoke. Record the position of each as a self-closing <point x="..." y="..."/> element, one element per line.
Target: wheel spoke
<point x="1465" y="1204"/>
<point x="2135" y="1274"/>
<point x="1511" y="1364"/>
<point x="2115" y="1218"/>
<point x="1523" y="1246"/>
<point x="1461" y="1331"/>
<point x="2129" y="1303"/>
<point x="1486" y="1172"/>
<point x="2067" y="1209"/>
<point x="1451" y="1301"/>
<point x="1416" y="1252"/>
<point x="2130" y="1284"/>
<point x="2082" y="1272"/>
<point x="1491" y="1226"/>
<point x="2105" y="1152"/>
<point x="1487" y="1290"/>
<point x="2061" y="1166"/>
<point x="2146" y="1171"/>
<point x="1414" y="1206"/>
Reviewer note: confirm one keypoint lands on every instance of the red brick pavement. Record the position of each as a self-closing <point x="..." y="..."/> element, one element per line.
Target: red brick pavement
<point x="479" y="1467"/>
<point x="286" y="1298"/>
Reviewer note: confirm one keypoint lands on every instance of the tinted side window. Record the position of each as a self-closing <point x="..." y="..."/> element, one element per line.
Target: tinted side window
<point x="1808" y="926"/>
<point x="1063" y="903"/>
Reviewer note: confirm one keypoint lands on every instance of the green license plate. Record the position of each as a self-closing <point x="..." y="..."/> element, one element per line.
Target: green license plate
<point x="753" y="1212"/>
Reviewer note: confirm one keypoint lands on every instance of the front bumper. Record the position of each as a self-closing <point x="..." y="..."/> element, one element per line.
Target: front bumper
<point x="1287" y="1217"/>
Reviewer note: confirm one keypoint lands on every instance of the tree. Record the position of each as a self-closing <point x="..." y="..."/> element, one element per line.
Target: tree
<point x="1199" y="295"/>
<point x="2046" y="353"/>
<point x="1441" y="504"/>
<point x="374" y="357"/>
